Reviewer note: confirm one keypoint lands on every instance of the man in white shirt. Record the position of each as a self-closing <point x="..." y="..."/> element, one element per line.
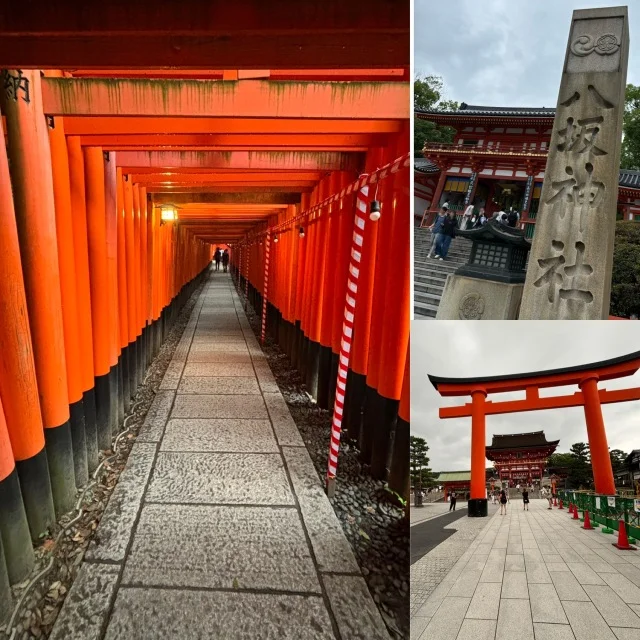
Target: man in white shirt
<point x="468" y="212"/>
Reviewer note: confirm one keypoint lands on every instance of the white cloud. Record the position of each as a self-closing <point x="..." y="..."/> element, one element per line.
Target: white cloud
<point x="467" y="349"/>
<point x="502" y="52"/>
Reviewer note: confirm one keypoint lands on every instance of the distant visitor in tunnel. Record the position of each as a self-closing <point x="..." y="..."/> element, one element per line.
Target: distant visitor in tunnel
<point x="225" y="259"/>
<point x="217" y="257"/>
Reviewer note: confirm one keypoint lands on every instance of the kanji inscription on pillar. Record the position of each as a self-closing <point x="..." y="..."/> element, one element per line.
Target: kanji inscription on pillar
<point x="569" y="272"/>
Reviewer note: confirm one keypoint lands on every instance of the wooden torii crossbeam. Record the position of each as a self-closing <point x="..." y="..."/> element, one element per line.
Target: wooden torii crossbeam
<point x="590" y="397"/>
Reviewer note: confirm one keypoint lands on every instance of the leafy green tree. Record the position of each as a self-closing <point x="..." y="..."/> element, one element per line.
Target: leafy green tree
<point x="630" y="158"/>
<point x="580" y="473"/>
<point x="617" y="459"/>
<point x="625" y="277"/>
<point x="418" y="461"/>
<point x="560" y="461"/>
<point x="427" y="94"/>
<point x="581" y="452"/>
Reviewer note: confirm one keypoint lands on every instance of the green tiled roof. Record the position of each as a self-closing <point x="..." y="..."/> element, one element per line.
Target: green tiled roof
<point x="452" y="476"/>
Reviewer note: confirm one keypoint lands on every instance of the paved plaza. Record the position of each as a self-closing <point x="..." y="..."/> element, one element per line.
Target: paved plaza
<point x="219" y="526"/>
<point x="532" y="575"/>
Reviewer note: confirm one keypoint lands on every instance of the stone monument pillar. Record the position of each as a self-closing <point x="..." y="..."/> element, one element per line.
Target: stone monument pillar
<point x="569" y="272"/>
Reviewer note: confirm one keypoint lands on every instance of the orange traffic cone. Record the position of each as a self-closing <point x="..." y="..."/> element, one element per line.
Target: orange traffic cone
<point x="575" y="513"/>
<point x="623" y="541"/>
<point x="587" y="521"/>
<point x="560" y="506"/>
<point x="571" y="505"/>
<point x="555" y="502"/>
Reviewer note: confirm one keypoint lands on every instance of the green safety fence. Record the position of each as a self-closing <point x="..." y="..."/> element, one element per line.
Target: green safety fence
<point x="606" y="510"/>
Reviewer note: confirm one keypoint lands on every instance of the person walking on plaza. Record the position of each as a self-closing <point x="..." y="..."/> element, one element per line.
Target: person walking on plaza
<point x="503" y="503"/>
<point x="446" y="235"/>
<point x="435" y="229"/>
<point x="225" y="259"/>
<point x="452" y="501"/>
<point x="216" y="257"/>
<point x="525" y="499"/>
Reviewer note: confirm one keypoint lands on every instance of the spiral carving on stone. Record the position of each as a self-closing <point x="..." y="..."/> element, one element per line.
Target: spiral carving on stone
<point x="471" y="307"/>
<point x="605" y="45"/>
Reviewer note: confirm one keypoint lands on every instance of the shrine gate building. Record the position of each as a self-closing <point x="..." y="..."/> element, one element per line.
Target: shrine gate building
<point x="496" y="161"/>
<point x="520" y="458"/>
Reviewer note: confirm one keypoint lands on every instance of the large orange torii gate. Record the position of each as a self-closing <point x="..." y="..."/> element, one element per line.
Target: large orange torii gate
<point x="590" y="397"/>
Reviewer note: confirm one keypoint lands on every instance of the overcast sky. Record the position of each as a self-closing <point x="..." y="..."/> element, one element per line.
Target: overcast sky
<point x="471" y="349"/>
<point x="504" y="52"/>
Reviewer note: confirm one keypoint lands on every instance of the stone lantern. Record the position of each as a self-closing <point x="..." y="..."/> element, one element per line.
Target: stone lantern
<point x="490" y="285"/>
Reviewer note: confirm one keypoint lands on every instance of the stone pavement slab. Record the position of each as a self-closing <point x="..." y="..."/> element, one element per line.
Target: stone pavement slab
<point x="169" y="614"/>
<point x="220" y="478"/>
<point x="219" y="526"/>
<point x="564" y="584"/>
<point x="198" y="434"/>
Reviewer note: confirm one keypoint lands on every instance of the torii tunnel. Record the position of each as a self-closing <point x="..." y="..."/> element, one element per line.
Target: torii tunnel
<point x="589" y="397"/>
<point x="112" y="117"/>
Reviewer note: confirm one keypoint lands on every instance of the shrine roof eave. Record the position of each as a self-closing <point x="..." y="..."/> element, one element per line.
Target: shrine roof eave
<point x="453" y="118"/>
<point x="495" y="230"/>
<point x="532" y="447"/>
<point x="620" y="366"/>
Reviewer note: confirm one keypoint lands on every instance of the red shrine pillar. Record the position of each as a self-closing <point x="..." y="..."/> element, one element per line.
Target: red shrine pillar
<point x="444" y="167"/>
<point x="600" y="460"/>
<point x="478" y="500"/>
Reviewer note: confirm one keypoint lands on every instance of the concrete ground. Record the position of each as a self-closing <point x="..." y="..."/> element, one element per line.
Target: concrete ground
<point x="532" y="575"/>
<point x="432" y="510"/>
<point x="432" y="531"/>
<point x="219" y="526"/>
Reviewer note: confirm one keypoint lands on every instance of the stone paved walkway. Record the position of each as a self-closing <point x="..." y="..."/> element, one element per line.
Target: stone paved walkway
<point x="219" y="526"/>
<point x="534" y="576"/>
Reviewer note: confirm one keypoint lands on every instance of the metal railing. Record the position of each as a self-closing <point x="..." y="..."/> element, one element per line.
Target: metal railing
<point x="524" y="148"/>
<point x="602" y="512"/>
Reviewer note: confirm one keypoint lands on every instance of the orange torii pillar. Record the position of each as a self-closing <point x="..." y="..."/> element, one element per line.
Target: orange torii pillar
<point x="387" y="372"/>
<point x="66" y="256"/>
<point x="589" y="397"/>
<point x="24" y="475"/>
<point x="105" y="384"/>
<point x="123" y="311"/>
<point x="131" y="287"/>
<point x="111" y="221"/>
<point x="31" y="179"/>
<point x="83" y="296"/>
<point x="357" y="376"/>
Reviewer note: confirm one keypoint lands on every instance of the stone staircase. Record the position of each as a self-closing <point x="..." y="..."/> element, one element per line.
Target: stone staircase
<point x="430" y="274"/>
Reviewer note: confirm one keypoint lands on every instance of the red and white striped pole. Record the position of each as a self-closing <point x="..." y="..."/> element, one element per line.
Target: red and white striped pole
<point x="347" y="333"/>
<point x="267" y="245"/>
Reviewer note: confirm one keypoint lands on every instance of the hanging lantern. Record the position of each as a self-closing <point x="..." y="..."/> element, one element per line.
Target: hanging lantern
<point x="374" y="210"/>
<point x="302" y="232"/>
<point x="275" y="238"/>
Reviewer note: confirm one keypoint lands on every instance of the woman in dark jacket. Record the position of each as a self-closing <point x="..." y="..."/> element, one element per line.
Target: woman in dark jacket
<point x="225" y="259"/>
<point x="446" y="235"/>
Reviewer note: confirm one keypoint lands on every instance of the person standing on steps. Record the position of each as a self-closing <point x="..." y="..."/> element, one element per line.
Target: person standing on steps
<point x="216" y="257"/>
<point x="452" y="501"/>
<point x="446" y="235"/>
<point x="435" y="228"/>
<point x="466" y="218"/>
<point x="225" y="259"/>
<point x="525" y="499"/>
<point x="503" y="503"/>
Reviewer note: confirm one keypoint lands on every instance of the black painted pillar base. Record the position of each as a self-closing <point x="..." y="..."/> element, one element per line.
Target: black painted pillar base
<point x="295" y="345"/>
<point x="35" y="485"/>
<point x="133" y="379"/>
<point x="313" y="369"/>
<point x="90" y="428"/>
<point x="103" y="408"/>
<point x="6" y="599"/>
<point x="113" y="400"/>
<point x="399" y="480"/>
<point x="353" y="405"/>
<point x="79" y="442"/>
<point x="59" y="448"/>
<point x="324" y="376"/>
<point x="140" y="361"/>
<point x="304" y="356"/>
<point x="126" y="379"/>
<point x="381" y="421"/>
<point x="333" y="377"/>
<point x="478" y="508"/>
<point x="120" y="392"/>
<point x="14" y="532"/>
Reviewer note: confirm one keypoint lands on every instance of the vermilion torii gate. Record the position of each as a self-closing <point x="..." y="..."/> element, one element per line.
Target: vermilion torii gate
<point x="590" y="397"/>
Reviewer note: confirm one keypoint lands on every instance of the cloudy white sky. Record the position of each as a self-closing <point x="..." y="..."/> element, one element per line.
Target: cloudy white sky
<point x="468" y="349"/>
<point x="504" y="52"/>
